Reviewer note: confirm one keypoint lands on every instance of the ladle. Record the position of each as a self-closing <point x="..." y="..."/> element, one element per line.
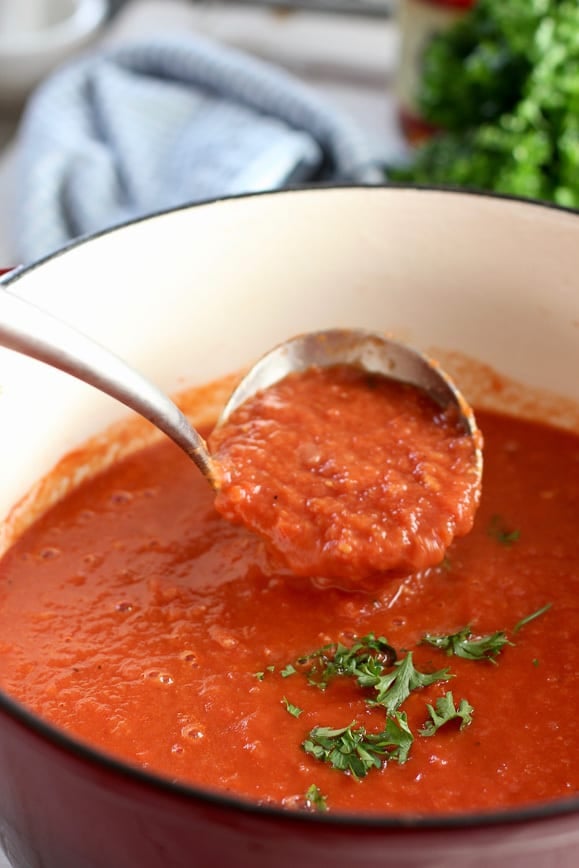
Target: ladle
<point x="27" y="329"/>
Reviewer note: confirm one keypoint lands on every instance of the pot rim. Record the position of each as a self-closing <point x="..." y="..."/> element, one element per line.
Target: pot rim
<point x="93" y="756"/>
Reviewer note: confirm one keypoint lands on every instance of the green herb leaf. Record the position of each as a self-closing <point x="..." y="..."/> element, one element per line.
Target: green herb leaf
<point x="524" y="621"/>
<point x="315" y="800"/>
<point x="444" y="712"/>
<point x="503" y="535"/>
<point x="465" y="644"/>
<point x="502" y="86"/>
<point x="294" y="710"/>
<point x="394" y="687"/>
<point x="261" y="675"/>
<point x="288" y="670"/>
<point x="399" y="735"/>
<point x="355" y="751"/>
<point x="372" y="662"/>
<point x="336" y="659"/>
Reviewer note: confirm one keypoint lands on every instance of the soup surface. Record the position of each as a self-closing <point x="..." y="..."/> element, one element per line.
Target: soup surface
<point x="135" y="617"/>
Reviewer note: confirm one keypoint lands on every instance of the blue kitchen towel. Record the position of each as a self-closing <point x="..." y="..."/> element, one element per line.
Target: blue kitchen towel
<point x="175" y="119"/>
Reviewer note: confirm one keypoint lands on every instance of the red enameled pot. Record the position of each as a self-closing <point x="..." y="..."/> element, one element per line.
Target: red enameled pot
<point x="190" y="295"/>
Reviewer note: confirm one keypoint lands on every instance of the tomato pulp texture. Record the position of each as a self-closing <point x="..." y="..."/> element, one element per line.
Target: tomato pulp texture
<point x="139" y="620"/>
<point x="348" y="474"/>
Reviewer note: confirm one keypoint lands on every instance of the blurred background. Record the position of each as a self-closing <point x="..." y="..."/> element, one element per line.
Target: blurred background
<point x="345" y="51"/>
<point x="480" y="95"/>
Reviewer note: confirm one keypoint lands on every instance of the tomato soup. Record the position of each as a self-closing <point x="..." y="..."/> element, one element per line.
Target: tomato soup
<point x="136" y="618"/>
<point x="347" y="473"/>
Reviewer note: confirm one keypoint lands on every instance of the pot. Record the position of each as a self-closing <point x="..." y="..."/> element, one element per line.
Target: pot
<point x="191" y="295"/>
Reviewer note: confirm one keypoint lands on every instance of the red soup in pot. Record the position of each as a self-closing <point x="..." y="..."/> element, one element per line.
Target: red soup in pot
<point x="134" y="616"/>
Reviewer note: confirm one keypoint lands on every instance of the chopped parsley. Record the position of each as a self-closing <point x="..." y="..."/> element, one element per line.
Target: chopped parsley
<point x="352" y="749"/>
<point x="445" y="711"/>
<point x="261" y="675"/>
<point x="368" y="654"/>
<point x="373" y="663"/>
<point x="394" y="687"/>
<point x="315" y="800"/>
<point x="465" y="644"/>
<point x="292" y="709"/>
<point x="387" y="681"/>
<point x="400" y="736"/>
<point x="524" y="621"/>
<point x="502" y="533"/>
<point x="288" y="670"/>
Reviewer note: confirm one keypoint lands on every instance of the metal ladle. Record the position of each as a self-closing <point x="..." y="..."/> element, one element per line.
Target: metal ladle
<point x="27" y="329"/>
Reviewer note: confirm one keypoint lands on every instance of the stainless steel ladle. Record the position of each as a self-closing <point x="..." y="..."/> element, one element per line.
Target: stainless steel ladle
<point x="27" y="329"/>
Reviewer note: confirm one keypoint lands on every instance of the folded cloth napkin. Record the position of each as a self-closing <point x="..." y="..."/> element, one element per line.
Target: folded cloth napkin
<point x="155" y="124"/>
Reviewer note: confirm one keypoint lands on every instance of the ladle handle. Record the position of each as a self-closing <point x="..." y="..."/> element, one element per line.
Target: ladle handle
<point x="29" y="330"/>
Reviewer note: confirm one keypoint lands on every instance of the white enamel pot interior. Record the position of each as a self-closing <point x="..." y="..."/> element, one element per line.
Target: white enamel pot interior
<point x="190" y="295"/>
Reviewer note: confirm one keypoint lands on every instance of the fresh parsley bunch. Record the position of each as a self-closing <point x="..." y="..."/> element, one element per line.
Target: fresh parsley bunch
<point x="503" y="85"/>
